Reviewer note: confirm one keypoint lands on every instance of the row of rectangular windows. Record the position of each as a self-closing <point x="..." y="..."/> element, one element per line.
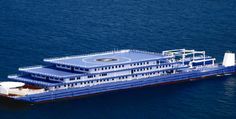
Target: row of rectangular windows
<point x="88" y="82"/>
<point x="136" y="70"/>
<point x="164" y="66"/>
<point x="140" y="63"/>
<point x="112" y="79"/>
<point x="45" y="77"/>
<point x="142" y="69"/>
<point x="150" y="68"/>
<point x="81" y="69"/>
<point x="71" y="79"/>
<point x="90" y="76"/>
<point x="120" y="66"/>
<point x="111" y="67"/>
<point x="76" y="68"/>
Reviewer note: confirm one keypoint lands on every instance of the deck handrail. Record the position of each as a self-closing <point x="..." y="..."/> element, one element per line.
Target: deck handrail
<point x="13" y="75"/>
<point x="30" y="67"/>
<point x="146" y="52"/>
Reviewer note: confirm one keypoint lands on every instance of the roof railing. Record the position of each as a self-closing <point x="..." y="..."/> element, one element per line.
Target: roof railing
<point x="13" y="76"/>
<point x="30" y="67"/>
<point x="146" y="52"/>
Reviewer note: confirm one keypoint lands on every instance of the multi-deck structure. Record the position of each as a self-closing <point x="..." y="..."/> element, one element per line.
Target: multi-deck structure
<point x="107" y="71"/>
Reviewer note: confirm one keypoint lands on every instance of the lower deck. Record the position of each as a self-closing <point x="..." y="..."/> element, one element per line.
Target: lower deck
<point x="73" y="92"/>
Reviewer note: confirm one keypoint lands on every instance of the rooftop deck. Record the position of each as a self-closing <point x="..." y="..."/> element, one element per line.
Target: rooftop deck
<point x="107" y="58"/>
<point x="47" y="71"/>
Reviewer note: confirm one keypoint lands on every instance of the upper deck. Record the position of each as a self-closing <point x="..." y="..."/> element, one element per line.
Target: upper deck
<point x="107" y="58"/>
<point x="49" y="71"/>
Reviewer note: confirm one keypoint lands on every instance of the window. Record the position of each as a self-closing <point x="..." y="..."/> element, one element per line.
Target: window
<point x="71" y="79"/>
<point x="103" y="74"/>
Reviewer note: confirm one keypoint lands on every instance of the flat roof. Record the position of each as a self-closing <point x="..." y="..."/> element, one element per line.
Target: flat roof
<point x="51" y="72"/>
<point x="107" y="58"/>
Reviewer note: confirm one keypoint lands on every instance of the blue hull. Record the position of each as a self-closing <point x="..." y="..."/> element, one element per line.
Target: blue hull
<point x="74" y="92"/>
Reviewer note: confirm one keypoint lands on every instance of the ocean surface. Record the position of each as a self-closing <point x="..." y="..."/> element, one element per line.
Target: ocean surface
<point x="31" y="30"/>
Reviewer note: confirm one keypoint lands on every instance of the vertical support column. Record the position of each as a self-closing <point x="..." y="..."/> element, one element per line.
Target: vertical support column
<point x="204" y="55"/>
<point x="183" y="58"/>
<point x="193" y="56"/>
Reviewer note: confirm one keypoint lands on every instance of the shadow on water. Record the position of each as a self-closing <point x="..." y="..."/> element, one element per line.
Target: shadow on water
<point x="12" y="104"/>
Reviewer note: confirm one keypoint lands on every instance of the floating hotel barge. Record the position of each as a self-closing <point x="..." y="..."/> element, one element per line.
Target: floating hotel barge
<point x="95" y="73"/>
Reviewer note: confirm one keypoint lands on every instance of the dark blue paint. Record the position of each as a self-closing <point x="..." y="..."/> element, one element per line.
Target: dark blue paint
<point x="32" y="30"/>
<point x="72" y="92"/>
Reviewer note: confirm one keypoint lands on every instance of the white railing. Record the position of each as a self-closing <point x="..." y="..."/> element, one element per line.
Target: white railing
<point x="146" y="52"/>
<point x="13" y="76"/>
<point x="30" y="67"/>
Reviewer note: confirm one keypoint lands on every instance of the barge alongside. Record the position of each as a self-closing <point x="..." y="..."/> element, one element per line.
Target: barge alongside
<point x="100" y="72"/>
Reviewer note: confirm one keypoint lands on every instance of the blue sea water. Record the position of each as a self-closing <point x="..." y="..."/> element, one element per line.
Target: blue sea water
<point x="31" y="30"/>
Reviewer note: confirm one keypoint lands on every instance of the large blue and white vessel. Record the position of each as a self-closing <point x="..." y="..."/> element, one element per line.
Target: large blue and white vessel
<point x="107" y="71"/>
